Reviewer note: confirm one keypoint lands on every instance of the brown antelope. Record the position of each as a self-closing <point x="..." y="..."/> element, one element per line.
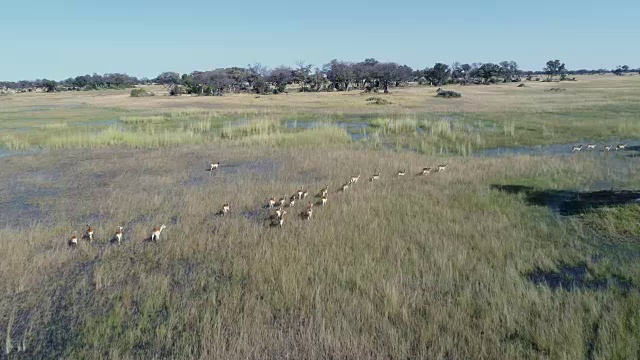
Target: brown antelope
<point x="281" y="219"/>
<point x="300" y="192"/>
<point x="375" y="177"/>
<point x="305" y="193"/>
<point x="591" y="146"/>
<point x="73" y="241"/>
<point x="292" y="200"/>
<point x="426" y="171"/>
<point x="89" y="234"/>
<point x="608" y="147"/>
<point x="225" y="209"/>
<point x="401" y="173"/>
<point x="280" y="212"/>
<point x="621" y="146"/>
<point x="576" y="148"/>
<point x="345" y="187"/>
<point x="282" y="200"/>
<point x="155" y="233"/>
<point x="354" y="179"/>
<point x="118" y="235"/>
<point x="442" y="167"/>
<point x="324" y="191"/>
<point x="323" y="200"/>
<point x="272" y="202"/>
<point x="214" y="166"/>
<point x="308" y="212"/>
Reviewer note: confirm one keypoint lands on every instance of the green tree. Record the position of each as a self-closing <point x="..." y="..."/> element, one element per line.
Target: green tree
<point x="554" y="67"/>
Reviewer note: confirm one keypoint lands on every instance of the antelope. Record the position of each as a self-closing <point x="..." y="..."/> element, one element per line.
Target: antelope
<point x="214" y="166"/>
<point x="155" y="234"/>
<point x="345" y="187"/>
<point x="324" y="191"/>
<point x="305" y="193"/>
<point x="308" y="212"/>
<point x="375" y="177"/>
<point x="576" y="148"/>
<point x="442" y="167"/>
<point x="280" y="212"/>
<point x="591" y="146"/>
<point x="118" y="235"/>
<point x="282" y="200"/>
<point x="324" y="200"/>
<point x="354" y="179"/>
<point x="292" y="200"/>
<point x="73" y="241"/>
<point x="401" y="173"/>
<point x="608" y="147"/>
<point x="281" y="219"/>
<point x="89" y="234"/>
<point x="225" y="208"/>
<point x="621" y="146"/>
<point x="300" y="192"/>
<point x="427" y="171"/>
<point x="272" y="202"/>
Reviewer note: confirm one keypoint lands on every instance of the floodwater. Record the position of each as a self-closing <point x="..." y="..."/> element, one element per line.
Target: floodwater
<point x="577" y="277"/>
<point x="632" y="149"/>
<point x="357" y="130"/>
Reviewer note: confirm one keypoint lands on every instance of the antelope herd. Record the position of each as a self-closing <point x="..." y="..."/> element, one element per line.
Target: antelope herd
<point x="279" y="212"/>
<point x="578" y="148"/>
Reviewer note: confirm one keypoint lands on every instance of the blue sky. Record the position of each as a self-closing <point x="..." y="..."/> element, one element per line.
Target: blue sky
<point x="58" y="39"/>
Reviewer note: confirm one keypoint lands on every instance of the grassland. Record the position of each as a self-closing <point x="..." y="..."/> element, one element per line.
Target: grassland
<point x="515" y="257"/>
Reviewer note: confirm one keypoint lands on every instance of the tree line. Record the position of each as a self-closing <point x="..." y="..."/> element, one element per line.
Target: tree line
<point x="367" y="75"/>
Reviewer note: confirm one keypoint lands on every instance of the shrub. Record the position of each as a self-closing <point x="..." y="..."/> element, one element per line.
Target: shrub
<point x="176" y="90"/>
<point x="141" y="93"/>
<point x="378" y="101"/>
<point x="448" y="94"/>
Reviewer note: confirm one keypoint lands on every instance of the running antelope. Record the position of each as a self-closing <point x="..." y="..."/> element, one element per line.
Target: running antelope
<point x="442" y="167"/>
<point x="591" y="146"/>
<point x="73" y="241"/>
<point x="281" y="219"/>
<point x="280" y="212"/>
<point x="292" y="200"/>
<point x="308" y="212"/>
<point x="608" y="147"/>
<point x="345" y="187"/>
<point x="354" y="179"/>
<point x="118" y="235"/>
<point x="155" y="234"/>
<point x="225" y="209"/>
<point x="576" y="148"/>
<point x="621" y="146"/>
<point x="214" y="166"/>
<point x="401" y="173"/>
<point x="426" y="171"/>
<point x="375" y="177"/>
<point x="282" y="200"/>
<point x="272" y="202"/>
<point x="89" y="234"/>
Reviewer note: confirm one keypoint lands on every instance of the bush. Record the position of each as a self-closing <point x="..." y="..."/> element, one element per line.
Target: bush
<point x="176" y="90"/>
<point x="141" y="93"/>
<point x="378" y="101"/>
<point x="448" y="94"/>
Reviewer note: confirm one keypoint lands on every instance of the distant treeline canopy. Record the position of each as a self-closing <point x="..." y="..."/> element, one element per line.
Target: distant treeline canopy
<point x="367" y="75"/>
